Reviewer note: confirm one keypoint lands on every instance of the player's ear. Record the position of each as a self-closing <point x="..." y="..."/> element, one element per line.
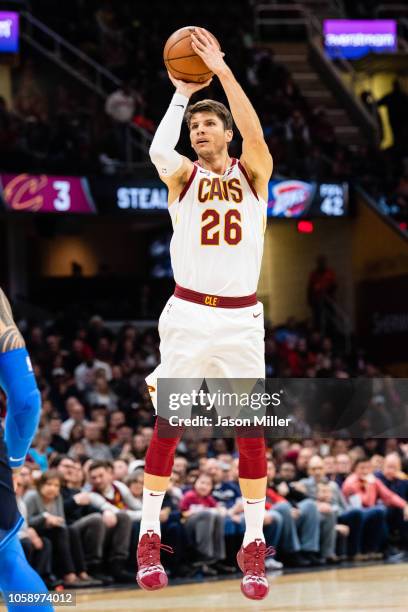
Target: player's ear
<point x="229" y="134"/>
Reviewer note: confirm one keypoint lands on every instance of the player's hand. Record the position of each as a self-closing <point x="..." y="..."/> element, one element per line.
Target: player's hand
<point x="205" y="46"/>
<point x="187" y="89"/>
<point x="406" y="513"/>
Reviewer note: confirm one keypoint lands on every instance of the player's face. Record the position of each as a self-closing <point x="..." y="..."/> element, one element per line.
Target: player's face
<point x="208" y="135"/>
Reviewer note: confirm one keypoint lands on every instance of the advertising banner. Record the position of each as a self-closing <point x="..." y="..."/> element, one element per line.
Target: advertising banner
<point x="9" y="29"/>
<point x="354" y="38"/>
<point x="46" y="194"/>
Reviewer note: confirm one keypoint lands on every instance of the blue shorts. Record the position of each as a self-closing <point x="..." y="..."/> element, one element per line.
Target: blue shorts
<point x="10" y="518"/>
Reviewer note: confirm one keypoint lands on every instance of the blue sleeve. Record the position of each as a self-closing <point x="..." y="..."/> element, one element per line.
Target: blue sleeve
<point x="23" y="403"/>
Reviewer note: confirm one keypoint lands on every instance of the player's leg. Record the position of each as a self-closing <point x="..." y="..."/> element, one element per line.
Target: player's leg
<point x="180" y="358"/>
<point x="17" y="576"/>
<point x="238" y="353"/>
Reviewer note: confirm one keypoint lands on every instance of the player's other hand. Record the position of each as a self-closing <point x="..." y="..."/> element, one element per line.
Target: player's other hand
<point x="205" y="46"/>
<point x="187" y="89"/>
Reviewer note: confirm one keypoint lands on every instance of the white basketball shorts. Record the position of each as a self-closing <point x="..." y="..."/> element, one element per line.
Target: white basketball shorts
<point x="198" y="341"/>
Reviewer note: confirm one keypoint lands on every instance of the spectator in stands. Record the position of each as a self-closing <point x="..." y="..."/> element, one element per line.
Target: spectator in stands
<point x="302" y="461"/>
<point x="327" y="515"/>
<point x="57" y="442"/>
<point x="120" y="509"/>
<point x="40" y="449"/>
<point x="76" y="416"/>
<point x="345" y="514"/>
<point x="396" y="481"/>
<point x="329" y="467"/>
<point x="321" y="291"/>
<point x="62" y="388"/>
<point x="297" y="518"/>
<point x="342" y="467"/>
<point x="101" y="394"/>
<point x="121" y="106"/>
<point x="120" y="469"/>
<point x="364" y="490"/>
<point x="298" y="139"/>
<point x="46" y="515"/>
<point x="227" y="494"/>
<point x="26" y="480"/>
<point x="204" y="522"/>
<point x="93" y="447"/>
<point x="85" y="523"/>
<point x="37" y="550"/>
<point x="85" y="373"/>
<point x="123" y="443"/>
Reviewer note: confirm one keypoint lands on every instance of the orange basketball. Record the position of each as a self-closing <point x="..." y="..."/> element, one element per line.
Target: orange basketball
<point x="180" y="59"/>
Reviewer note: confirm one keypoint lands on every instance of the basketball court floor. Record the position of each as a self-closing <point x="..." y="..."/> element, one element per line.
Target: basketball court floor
<point x="373" y="588"/>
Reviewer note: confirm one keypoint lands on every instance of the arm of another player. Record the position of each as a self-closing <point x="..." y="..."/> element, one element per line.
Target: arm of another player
<point x="18" y="381"/>
<point x="255" y="153"/>
<point x="174" y="169"/>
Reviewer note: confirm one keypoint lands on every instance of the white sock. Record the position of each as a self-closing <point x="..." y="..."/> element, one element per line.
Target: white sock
<point x="254" y="512"/>
<point x="152" y="503"/>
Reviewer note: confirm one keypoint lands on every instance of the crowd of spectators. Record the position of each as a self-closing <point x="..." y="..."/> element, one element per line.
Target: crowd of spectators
<point x="80" y="490"/>
<point x="57" y="126"/>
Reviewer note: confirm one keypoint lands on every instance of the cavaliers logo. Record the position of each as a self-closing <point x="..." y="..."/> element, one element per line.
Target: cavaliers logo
<point x="23" y="192"/>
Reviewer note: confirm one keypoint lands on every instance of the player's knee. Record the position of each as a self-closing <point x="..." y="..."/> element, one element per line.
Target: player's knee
<point x="252" y="457"/>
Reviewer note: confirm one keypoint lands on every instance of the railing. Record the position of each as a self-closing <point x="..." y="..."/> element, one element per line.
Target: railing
<point x="390" y="10"/>
<point x="296" y="14"/>
<point x="77" y="64"/>
<point x="381" y="211"/>
<point x="279" y="15"/>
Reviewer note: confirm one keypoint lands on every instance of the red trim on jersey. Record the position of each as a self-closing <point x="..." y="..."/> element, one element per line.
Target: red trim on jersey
<point x="216" y="301"/>
<point x="187" y="185"/>
<point x="233" y="162"/>
<point x="245" y="173"/>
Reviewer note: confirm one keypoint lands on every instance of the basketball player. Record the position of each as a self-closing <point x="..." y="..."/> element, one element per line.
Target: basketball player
<point x="213" y="324"/>
<point x="23" y="413"/>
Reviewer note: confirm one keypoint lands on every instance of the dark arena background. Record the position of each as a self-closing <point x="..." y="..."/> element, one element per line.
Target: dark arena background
<point x="84" y="260"/>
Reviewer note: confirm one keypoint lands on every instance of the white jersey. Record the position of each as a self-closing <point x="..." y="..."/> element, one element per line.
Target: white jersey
<point x="219" y="224"/>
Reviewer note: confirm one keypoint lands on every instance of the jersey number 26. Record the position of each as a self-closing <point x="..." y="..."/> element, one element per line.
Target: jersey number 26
<point x="212" y="225"/>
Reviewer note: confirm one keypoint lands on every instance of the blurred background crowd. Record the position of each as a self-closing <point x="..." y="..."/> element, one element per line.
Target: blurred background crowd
<point x="328" y="500"/>
<point x="57" y="125"/>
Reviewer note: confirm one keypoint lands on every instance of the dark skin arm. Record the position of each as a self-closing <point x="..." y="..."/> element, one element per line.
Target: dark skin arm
<point x="10" y="337"/>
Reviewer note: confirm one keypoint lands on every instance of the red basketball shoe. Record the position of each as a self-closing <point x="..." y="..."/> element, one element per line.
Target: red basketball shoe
<point x="151" y="575"/>
<point x="251" y="561"/>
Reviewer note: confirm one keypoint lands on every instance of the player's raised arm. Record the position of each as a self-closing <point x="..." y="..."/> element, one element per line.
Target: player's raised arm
<point x="174" y="169"/>
<point x="255" y="153"/>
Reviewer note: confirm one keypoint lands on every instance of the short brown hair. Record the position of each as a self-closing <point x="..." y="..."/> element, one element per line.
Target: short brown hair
<point x="100" y="463"/>
<point x="47" y="476"/>
<point x="210" y="106"/>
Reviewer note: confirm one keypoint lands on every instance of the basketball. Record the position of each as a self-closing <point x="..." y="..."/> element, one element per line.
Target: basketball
<point x="180" y="59"/>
